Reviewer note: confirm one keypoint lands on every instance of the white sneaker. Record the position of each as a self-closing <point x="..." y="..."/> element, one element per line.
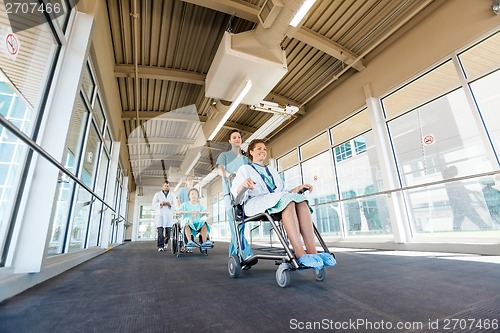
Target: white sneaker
<point x="160" y="249"/>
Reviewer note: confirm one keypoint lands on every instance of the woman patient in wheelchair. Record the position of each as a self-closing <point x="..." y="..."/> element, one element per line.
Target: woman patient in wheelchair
<point x="265" y="192"/>
<point x="194" y="221"/>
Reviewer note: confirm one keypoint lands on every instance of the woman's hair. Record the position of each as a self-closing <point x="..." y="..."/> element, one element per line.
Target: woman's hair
<point x="194" y="189"/>
<point x="234" y="130"/>
<point x="251" y="146"/>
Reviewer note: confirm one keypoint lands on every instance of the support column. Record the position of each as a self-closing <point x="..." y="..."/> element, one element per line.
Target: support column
<point x="389" y="172"/>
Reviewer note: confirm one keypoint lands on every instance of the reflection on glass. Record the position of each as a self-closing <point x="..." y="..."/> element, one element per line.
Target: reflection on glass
<point x="351" y="127"/>
<point x="29" y="70"/>
<point x="80" y="219"/>
<point x="314" y="146"/>
<point x="60" y="214"/>
<point x="147" y="229"/>
<point x="318" y="171"/>
<point x="288" y="160"/>
<point x="487" y="97"/>
<point x="482" y="57"/>
<point x="102" y="178"/>
<point x="88" y="83"/>
<point x="91" y="157"/>
<point x="12" y="156"/>
<point x="427" y="87"/>
<point x="424" y="147"/>
<point x="98" y="209"/>
<point x="98" y="115"/>
<point x="291" y="177"/>
<point x="76" y="133"/>
<point x="471" y="205"/>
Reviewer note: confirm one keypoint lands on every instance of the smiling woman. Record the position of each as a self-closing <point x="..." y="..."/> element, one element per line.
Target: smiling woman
<point x="262" y="189"/>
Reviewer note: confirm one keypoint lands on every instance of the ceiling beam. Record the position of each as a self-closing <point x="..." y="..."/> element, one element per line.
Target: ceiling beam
<point x="171" y="116"/>
<point x="159" y="73"/>
<point x="241" y="9"/>
<point x="160" y="141"/>
<point x="163" y="116"/>
<point x="328" y="46"/>
<point x="159" y="157"/>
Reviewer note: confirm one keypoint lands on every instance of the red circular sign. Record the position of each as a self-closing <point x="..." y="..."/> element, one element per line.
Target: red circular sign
<point x="12" y="44"/>
<point x="428" y="139"/>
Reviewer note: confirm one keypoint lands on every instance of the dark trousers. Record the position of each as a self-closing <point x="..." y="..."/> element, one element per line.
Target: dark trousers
<point x="163" y="235"/>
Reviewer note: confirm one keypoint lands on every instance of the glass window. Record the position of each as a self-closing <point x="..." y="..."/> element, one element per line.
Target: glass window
<point x="314" y="146"/>
<point x="28" y="70"/>
<point x="88" y="83"/>
<point x="98" y="115"/>
<point x="424" y="148"/>
<point x="469" y="206"/>
<point x="91" y="157"/>
<point x="63" y="16"/>
<point x="288" y="160"/>
<point x="13" y="153"/>
<point x="318" y="171"/>
<point x="61" y="211"/>
<point x="76" y="135"/>
<point x="108" y="140"/>
<point x="98" y="209"/>
<point x="102" y="178"/>
<point x="80" y="220"/>
<point x="426" y="88"/>
<point x="291" y="177"/>
<point x="360" y="175"/>
<point x="343" y="151"/>
<point x="147" y="229"/>
<point x="351" y="127"/>
<point x="482" y="57"/>
<point x="487" y="96"/>
<point x="215" y="208"/>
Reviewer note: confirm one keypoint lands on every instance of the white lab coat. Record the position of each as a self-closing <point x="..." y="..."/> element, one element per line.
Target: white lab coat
<point x="164" y="215"/>
<point x="259" y="199"/>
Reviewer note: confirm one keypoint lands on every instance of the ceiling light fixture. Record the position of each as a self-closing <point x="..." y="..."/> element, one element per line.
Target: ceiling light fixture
<point x="302" y="12"/>
<point x="234" y="105"/>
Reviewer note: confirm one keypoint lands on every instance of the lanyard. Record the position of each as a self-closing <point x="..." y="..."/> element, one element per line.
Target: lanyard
<point x="270" y="189"/>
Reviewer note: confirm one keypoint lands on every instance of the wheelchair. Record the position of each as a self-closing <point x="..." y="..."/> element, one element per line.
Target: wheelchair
<point x="179" y="240"/>
<point x="286" y="262"/>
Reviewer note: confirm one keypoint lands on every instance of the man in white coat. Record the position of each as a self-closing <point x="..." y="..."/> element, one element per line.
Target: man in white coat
<point x="165" y="203"/>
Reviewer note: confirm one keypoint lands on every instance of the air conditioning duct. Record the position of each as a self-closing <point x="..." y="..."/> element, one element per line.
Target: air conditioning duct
<point x="269" y="12"/>
<point x="254" y="55"/>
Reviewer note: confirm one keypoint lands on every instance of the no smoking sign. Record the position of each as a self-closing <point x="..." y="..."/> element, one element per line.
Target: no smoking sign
<point x="428" y="139"/>
<point x="10" y="44"/>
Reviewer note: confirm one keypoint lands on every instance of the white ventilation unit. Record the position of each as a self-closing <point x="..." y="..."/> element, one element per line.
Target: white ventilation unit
<point x="269" y="12"/>
<point x="239" y="58"/>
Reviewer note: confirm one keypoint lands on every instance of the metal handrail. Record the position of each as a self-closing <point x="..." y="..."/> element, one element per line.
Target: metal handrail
<point x="406" y="188"/>
<point x="33" y="145"/>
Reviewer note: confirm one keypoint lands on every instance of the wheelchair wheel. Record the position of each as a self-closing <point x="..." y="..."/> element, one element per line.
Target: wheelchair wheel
<point x="234" y="266"/>
<point x="174" y="241"/>
<point x="283" y="275"/>
<point x="320" y="274"/>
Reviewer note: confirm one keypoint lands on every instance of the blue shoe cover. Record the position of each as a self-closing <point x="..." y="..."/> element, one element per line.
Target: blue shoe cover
<point x="327" y="258"/>
<point x="191" y="244"/>
<point x="207" y="243"/>
<point x="311" y="261"/>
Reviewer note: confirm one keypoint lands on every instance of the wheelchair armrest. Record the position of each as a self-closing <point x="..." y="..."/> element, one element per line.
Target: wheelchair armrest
<point x="239" y="197"/>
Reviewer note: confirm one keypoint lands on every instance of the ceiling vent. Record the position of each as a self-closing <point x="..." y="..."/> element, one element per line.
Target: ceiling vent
<point x="269" y="12"/>
<point x="241" y="57"/>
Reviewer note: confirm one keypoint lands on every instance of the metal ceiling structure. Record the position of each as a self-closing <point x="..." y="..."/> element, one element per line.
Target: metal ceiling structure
<point x="164" y="49"/>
